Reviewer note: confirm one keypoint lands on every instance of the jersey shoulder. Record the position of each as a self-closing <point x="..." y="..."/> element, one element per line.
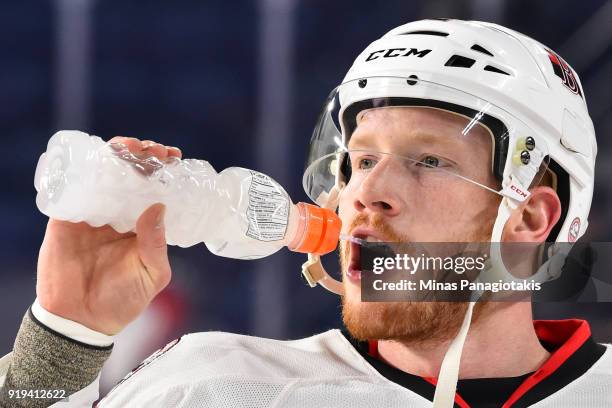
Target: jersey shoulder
<point x="325" y="354"/>
<point x="211" y="368"/>
<point x="591" y="389"/>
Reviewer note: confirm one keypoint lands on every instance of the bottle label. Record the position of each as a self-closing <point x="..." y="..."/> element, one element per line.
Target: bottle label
<point x="268" y="210"/>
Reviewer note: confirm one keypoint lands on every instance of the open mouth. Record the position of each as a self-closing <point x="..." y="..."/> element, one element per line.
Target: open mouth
<point x="360" y="236"/>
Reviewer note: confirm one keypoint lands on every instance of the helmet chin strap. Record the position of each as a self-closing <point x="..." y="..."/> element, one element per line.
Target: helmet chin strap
<point x="446" y="386"/>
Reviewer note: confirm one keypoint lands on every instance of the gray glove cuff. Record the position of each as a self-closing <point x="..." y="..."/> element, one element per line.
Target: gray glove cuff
<point x="46" y="360"/>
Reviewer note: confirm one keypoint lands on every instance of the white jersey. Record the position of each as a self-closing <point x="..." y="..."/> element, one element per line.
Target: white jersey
<point x="223" y="370"/>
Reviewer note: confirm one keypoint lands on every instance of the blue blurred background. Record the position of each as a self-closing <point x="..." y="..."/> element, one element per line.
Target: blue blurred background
<point x="238" y="83"/>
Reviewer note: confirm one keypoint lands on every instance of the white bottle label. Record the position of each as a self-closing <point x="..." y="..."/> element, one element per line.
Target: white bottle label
<point x="268" y="210"/>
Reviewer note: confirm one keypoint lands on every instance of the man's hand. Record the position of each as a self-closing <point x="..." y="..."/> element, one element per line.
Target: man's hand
<point x="98" y="277"/>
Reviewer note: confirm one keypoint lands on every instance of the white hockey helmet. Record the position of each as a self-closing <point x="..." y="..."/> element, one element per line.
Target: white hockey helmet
<point x="524" y="92"/>
<point x="529" y="98"/>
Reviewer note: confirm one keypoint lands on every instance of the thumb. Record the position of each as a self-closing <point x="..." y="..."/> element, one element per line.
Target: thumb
<point x="152" y="248"/>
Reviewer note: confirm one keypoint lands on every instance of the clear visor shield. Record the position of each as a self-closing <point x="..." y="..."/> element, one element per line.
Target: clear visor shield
<point x="419" y="134"/>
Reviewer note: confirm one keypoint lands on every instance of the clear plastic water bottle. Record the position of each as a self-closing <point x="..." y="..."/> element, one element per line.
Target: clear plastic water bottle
<point x="237" y="213"/>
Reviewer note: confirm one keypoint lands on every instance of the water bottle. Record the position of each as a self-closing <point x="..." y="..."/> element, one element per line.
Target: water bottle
<point x="237" y="213"/>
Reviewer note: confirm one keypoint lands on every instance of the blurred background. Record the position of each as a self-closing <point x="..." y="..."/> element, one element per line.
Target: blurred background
<point x="237" y="83"/>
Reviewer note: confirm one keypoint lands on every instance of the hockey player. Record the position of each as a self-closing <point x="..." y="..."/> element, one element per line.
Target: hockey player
<point x="442" y="131"/>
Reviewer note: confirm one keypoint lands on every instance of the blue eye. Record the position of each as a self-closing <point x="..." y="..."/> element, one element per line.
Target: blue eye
<point x="365" y="164"/>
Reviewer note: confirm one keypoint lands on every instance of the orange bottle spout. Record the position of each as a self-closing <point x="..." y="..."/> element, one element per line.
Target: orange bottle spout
<point x="318" y="232"/>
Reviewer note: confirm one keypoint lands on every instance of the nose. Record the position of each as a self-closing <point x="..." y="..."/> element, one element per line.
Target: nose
<point x="379" y="191"/>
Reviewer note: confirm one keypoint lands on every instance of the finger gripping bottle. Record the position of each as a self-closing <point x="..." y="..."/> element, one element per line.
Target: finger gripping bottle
<point x="237" y="213"/>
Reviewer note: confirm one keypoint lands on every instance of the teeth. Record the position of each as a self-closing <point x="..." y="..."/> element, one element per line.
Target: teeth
<point x="372" y="239"/>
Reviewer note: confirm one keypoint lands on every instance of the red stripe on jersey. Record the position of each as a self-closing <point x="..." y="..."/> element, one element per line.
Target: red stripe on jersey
<point x="373" y="348"/>
<point x="458" y="400"/>
<point x="570" y="334"/>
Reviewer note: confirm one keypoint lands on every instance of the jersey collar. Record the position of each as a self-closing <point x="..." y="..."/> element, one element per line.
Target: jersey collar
<point x="573" y="352"/>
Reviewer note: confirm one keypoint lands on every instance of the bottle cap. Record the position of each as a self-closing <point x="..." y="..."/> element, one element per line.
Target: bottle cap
<point x="321" y="230"/>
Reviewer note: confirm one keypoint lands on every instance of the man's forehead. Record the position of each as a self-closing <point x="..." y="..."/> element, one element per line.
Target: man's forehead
<point x="418" y="124"/>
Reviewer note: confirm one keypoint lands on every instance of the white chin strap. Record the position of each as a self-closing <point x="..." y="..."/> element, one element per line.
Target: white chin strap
<point x="449" y="370"/>
<point x="446" y="386"/>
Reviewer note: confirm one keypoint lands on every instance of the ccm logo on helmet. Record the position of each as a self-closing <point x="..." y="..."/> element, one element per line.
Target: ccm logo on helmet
<point x="518" y="191"/>
<point x="565" y="72"/>
<point x="397" y="52"/>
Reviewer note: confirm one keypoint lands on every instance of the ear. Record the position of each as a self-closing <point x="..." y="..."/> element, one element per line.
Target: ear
<point x="534" y="218"/>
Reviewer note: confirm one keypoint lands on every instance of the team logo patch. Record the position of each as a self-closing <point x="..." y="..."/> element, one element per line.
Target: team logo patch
<point x="574" y="230"/>
<point x="565" y="72"/>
